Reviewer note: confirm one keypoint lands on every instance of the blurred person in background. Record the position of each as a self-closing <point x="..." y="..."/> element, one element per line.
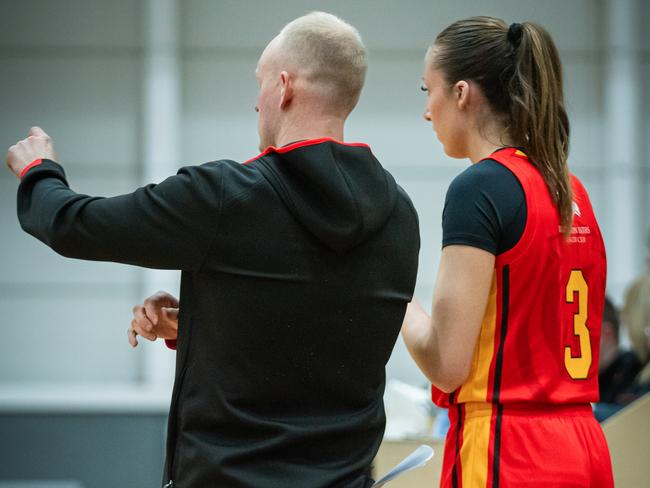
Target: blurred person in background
<point x="618" y="367"/>
<point x="297" y="267"/>
<point x="512" y="343"/>
<point x="636" y="316"/>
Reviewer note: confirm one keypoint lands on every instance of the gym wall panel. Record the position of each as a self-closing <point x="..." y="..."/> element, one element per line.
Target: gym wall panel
<point x="644" y="19"/>
<point x="89" y="105"/>
<point x="73" y="24"/>
<point x="383" y="24"/>
<point x="646" y="150"/>
<point x="584" y="100"/>
<point x="390" y="114"/>
<point x="219" y="120"/>
<point x="73" y="68"/>
<point x="428" y="196"/>
<point x="70" y="335"/>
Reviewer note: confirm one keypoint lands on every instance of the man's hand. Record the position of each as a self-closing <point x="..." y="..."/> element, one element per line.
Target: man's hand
<point x="38" y="145"/>
<point x="156" y="318"/>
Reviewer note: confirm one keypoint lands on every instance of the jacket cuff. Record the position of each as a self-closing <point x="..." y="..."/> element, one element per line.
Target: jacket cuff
<point x="36" y="162"/>
<point x="171" y="343"/>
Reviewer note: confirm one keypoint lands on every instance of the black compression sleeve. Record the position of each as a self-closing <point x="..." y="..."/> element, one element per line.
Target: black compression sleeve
<point x="485" y="207"/>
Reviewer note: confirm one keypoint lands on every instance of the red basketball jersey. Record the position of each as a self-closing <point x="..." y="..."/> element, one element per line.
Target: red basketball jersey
<point x="540" y="336"/>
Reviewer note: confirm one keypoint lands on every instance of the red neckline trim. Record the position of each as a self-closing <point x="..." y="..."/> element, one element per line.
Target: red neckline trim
<point x="308" y="142"/>
<point x="36" y="162"/>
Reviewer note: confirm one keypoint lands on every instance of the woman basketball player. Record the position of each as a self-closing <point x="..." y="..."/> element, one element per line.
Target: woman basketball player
<point x="512" y="342"/>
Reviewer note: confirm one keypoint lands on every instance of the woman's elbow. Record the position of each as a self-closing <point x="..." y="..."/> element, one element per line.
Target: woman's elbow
<point x="451" y="378"/>
<point x="448" y="385"/>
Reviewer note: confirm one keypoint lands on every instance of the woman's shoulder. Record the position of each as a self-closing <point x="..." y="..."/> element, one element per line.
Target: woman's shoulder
<point x="487" y="174"/>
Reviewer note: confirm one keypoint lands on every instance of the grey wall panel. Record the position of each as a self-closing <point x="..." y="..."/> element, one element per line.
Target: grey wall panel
<point x="643" y="19"/>
<point x="97" y="451"/>
<point x="70" y="23"/>
<point x="383" y="24"/>
<point x="645" y="151"/>
<point x="428" y="196"/>
<point x="584" y="99"/>
<point x="89" y="106"/>
<point x="73" y="68"/>
<point x="67" y="336"/>
<point x="219" y="120"/>
<point x="390" y="114"/>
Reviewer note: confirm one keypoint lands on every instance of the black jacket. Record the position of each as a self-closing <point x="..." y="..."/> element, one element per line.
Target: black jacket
<point x="297" y="268"/>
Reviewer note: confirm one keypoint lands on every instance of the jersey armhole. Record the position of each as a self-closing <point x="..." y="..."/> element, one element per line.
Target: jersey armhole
<point x="526" y="238"/>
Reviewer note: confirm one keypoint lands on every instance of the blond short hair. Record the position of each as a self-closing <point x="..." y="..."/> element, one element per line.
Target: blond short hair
<point x="329" y="52"/>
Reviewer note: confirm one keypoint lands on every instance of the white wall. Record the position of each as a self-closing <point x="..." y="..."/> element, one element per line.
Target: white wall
<point x="75" y="67"/>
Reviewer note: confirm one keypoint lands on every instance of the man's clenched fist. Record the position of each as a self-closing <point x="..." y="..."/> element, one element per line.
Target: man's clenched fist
<point x="156" y="318"/>
<point x="38" y="145"/>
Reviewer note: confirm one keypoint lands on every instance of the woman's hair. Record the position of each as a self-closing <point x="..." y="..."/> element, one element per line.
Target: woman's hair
<point x="518" y="69"/>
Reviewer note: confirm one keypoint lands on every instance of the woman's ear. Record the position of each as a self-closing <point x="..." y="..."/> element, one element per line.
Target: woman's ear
<point x="462" y="93"/>
<point x="286" y="89"/>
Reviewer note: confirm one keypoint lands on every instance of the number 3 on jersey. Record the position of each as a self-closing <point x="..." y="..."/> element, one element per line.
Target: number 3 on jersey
<point x="578" y="366"/>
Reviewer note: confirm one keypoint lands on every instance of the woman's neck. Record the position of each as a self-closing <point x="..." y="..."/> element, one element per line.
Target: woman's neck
<point x="482" y="150"/>
<point x="487" y="138"/>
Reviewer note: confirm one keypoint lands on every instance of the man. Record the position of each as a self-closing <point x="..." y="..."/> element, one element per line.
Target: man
<point x="296" y="270"/>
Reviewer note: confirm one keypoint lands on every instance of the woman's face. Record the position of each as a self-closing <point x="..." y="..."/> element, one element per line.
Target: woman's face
<point x="443" y="110"/>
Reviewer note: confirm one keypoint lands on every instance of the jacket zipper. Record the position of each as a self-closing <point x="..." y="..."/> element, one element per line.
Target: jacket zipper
<point x="172" y="431"/>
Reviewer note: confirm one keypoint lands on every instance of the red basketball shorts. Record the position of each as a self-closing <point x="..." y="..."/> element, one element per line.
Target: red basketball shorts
<point x="503" y="446"/>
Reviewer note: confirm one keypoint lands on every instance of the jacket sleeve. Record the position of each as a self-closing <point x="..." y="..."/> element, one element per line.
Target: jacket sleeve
<point x="167" y="226"/>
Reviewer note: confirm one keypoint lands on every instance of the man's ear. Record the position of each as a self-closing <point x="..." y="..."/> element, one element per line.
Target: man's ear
<point x="462" y="94"/>
<point x="286" y="89"/>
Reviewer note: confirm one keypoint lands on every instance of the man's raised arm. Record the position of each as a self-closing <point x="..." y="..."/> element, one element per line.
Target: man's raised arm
<point x="168" y="226"/>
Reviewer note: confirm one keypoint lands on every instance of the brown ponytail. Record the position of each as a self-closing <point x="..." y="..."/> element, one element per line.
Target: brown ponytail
<point x="518" y="69"/>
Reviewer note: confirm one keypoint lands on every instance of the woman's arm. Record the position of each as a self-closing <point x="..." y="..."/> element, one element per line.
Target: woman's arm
<point x="443" y="345"/>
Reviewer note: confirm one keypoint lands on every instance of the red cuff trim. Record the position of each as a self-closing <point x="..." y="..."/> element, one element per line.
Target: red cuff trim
<point x="171" y="343"/>
<point x="309" y="142"/>
<point x="36" y="162"/>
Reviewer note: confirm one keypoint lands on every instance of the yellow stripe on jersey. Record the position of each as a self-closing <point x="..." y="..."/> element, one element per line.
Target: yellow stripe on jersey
<point x="475" y="388"/>
<point x="521" y="153"/>
<point x="476" y="443"/>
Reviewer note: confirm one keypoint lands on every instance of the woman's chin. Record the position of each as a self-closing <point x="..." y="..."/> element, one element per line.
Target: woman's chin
<point x="453" y="153"/>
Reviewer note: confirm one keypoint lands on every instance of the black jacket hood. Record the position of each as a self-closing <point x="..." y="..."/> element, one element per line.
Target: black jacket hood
<point x="339" y="192"/>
